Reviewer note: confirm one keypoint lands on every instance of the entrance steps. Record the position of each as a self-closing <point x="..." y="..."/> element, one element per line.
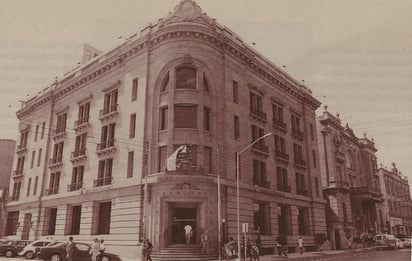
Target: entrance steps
<point x="182" y="252"/>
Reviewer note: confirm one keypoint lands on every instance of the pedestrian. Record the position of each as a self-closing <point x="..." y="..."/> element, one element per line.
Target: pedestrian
<point x="70" y="249"/>
<point x="300" y="245"/>
<point x="230" y="249"/>
<point x="248" y="249"/>
<point x="188" y="233"/>
<point x="95" y="250"/>
<point x="148" y="249"/>
<point x="259" y="242"/>
<point x="349" y="242"/>
<point x="102" y="247"/>
<point x="205" y="242"/>
<point x="254" y="253"/>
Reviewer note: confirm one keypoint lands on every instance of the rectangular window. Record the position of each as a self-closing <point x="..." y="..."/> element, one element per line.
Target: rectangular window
<point x="277" y="111"/>
<point x="235" y="92"/>
<point x="314" y="158"/>
<point x="77" y="178"/>
<point x="16" y="191"/>
<point x="51" y="224"/>
<point x="110" y="102"/>
<point x="54" y="183"/>
<point x="261" y="218"/>
<point x="280" y="144"/>
<point x="36" y="133"/>
<point x="107" y="136"/>
<point x="298" y="154"/>
<point x="103" y="222"/>
<point x="303" y="221"/>
<point x="284" y="220"/>
<point x="300" y="184"/>
<point x="104" y="173"/>
<point x="83" y="116"/>
<point x="162" y="154"/>
<point x="295" y="122"/>
<point x="132" y="129"/>
<point x="163" y="118"/>
<point x="36" y="181"/>
<point x="23" y="138"/>
<point x="312" y="132"/>
<point x="20" y="165"/>
<point x="75" y="220"/>
<point x="28" y="188"/>
<point x="135" y="86"/>
<point x="130" y="163"/>
<point x="80" y="145"/>
<point x="259" y="174"/>
<point x="43" y="127"/>
<point x="61" y="123"/>
<point x="208" y="159"/>
<point x="236" y="127"/>
<point x="256" y="105"/>
<point x="206" y="118"/>
<point x="39" y="157"/>
<point x="282" y="179"/>
<point x="58" y="153"/>
<point x="33" y="156"/>
<point x="317" y="186"/>
<point x="185" y="116"/>
<point x="12" y="222"/>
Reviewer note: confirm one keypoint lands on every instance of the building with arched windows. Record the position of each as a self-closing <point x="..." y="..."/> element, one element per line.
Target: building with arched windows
<point x="350" y="182"/>
<point x="132" y="144"/>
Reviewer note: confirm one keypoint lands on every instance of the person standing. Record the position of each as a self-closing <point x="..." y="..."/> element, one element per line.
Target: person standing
<point x="254" y="252"/>
<point x="300" y="245"/>
<point x="102" y="247"/>
<point x="148" y="248"/>
<point x="95" y="251"/>
<point x="70" y="249"/>
<point x="188" y="233"/>
<point x="205" y="242"/>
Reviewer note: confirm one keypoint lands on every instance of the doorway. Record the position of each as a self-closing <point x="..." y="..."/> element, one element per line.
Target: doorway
<point x="337" y="239"/>
<point x="26" y="226"/>
<point x="180" y="218"/>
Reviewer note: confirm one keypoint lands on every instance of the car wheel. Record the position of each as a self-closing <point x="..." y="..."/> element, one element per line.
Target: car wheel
<point x="9" y="253"/>
<point x="105" y="258"/>
<point x="29" y="255"/>
<point x="55" y="257"/>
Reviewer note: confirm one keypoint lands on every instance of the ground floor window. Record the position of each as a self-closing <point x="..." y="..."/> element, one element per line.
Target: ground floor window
<point x="104" y="217"/>
<point x="261" y="218"/>
<point x="284" y="220"/>
<point x="12" y="223"/>
<point x="303" y="221"/>
<point x="51" y="214"/>
<point x="75" y="220"/>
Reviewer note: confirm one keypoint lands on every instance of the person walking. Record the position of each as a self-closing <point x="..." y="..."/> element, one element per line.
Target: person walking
<point x="148" y="249"/>
<point x="254" y="253"/>
<point x="205" y="242"/>
<point x="95" y="250"/>
<point x="300" y="245"/>
<point x="70" y="249"/>
<point x="188" y="233"/>
<point x="231" y="249"/>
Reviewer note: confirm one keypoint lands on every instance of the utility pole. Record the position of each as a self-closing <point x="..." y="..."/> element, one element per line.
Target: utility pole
<point x="219" y="205"/>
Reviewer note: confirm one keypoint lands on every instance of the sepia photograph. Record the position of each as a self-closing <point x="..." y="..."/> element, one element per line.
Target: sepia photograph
<point x="205" y="130"/>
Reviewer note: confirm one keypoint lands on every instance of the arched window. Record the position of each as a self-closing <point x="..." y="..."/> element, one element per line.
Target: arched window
<point x="186" y="78"/>
<point x="165" y="83"/>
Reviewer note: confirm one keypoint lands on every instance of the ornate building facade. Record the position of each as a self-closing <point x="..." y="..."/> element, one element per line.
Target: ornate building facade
<point x="397" y="207"/>
<point x="349" y="180"/>
<point x="94" y="164"/>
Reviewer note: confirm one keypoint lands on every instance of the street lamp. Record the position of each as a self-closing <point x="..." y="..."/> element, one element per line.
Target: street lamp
<point x="237" y="187"/>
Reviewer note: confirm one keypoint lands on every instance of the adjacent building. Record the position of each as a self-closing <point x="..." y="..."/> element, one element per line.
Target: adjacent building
<point x="397" y="207"/>
<point x="186" y="91"/>
<point x="6" y="162"/>
<point x="350" y="181"/>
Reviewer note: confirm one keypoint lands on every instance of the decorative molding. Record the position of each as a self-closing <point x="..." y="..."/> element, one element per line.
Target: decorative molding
<point x="85" y="99"/>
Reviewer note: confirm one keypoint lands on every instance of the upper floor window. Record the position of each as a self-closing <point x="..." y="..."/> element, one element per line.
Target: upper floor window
<point x="235" y="87"/>
<point x="206" y="118"/>
<point x="256" y="103"/>
<point x="61" y="123"/>
<point x="163" y="118"/>
<point x="206" y="87"/>
<point x="23" y="138"/>
<point x="54" y="183"/>
<point x="185" y="116"/>
<point x="298" y="154"/>
<point x="207" y="160"/>
<point x="280" y="144"/>
<point x="165" y="83"/>
<point x="16" y="191"/>
<point x="57" y="153"/>
<point x="43" y="127"/>
<point x="107" y="137"/>
<point x="185" y="78"/>
<point x="259" y="174"/>
<point x="110" y="102"/>
<point x="349" y="160"/>
<point x="135" y="85"/>
<point x="84" y="111"/>
<point x="132" y="128"/>
<point x="104" y="175"/>
<point x="36" y="133"/>
<point x="161" y="156"/>
<point x="300" y="184"/>
<point x="236" y="127"/>
<point x="277" y="111"/>
<point x="295" y="123"/>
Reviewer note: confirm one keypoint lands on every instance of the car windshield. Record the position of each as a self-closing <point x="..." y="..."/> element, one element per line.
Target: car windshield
<point x="58" y="244"/>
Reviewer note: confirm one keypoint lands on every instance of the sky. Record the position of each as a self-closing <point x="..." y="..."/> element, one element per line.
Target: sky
<point x="356" y="56"/>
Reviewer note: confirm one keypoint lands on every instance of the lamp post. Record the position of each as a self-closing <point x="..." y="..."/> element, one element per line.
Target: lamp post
<point x="237" y="187"/>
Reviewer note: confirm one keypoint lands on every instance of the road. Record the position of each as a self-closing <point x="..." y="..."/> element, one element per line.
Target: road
<point x="392" y="255"/>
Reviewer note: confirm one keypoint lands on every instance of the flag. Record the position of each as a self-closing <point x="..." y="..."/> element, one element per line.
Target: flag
<point x="171" y="161"/>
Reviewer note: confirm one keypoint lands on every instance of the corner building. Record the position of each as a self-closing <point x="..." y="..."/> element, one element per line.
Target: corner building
<point x="185" y="80"/>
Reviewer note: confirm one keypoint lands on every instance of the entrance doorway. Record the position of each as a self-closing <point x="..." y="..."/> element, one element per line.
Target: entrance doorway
<point x="337" y="239"/>
<point x="180" y="218"/>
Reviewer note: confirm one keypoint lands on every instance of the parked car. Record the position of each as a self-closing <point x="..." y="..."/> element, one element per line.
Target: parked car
<point x="399" y="243"/>
<point x="385" y="241"/>
<point x="30" y="251"/>
<point x="81" y="252"/>
<point x="10" y="248"/>
<point x="406" y="242"/>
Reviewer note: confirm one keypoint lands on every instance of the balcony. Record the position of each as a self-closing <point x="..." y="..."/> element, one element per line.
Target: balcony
<point x="13" y="198"/>
<point x="281" y="155"/>
<point x="260" y="148"/>
<point x="302" y="192"/>
<point x="107" y="146"/>
<point x="300" y="163"/>
<point x="78" y="154"/>
<point x="284" y="188"/>
<point x="298" y="134"/>
<point x="81" y="123"/>
<point x="103" y="181"/>
<point x="55" y="162"/>
<point x="263" y="184"/>
<point x="74" y="186"/>
<point x="22" y="148"/>
<point x="366" y="194"/>
<point x="280" y="125"/>
<point x="18" y="173"/>
<point x="59" y="133"/>
<point x="52" y="191"/>
<point x="258" y="115"/>
<point x="109" y="112"/>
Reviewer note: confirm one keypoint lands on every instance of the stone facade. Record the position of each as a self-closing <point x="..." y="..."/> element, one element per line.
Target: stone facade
<point x="397" y="207"/>
<point x="349" y="180"/>
<point x="198" y="85"/>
